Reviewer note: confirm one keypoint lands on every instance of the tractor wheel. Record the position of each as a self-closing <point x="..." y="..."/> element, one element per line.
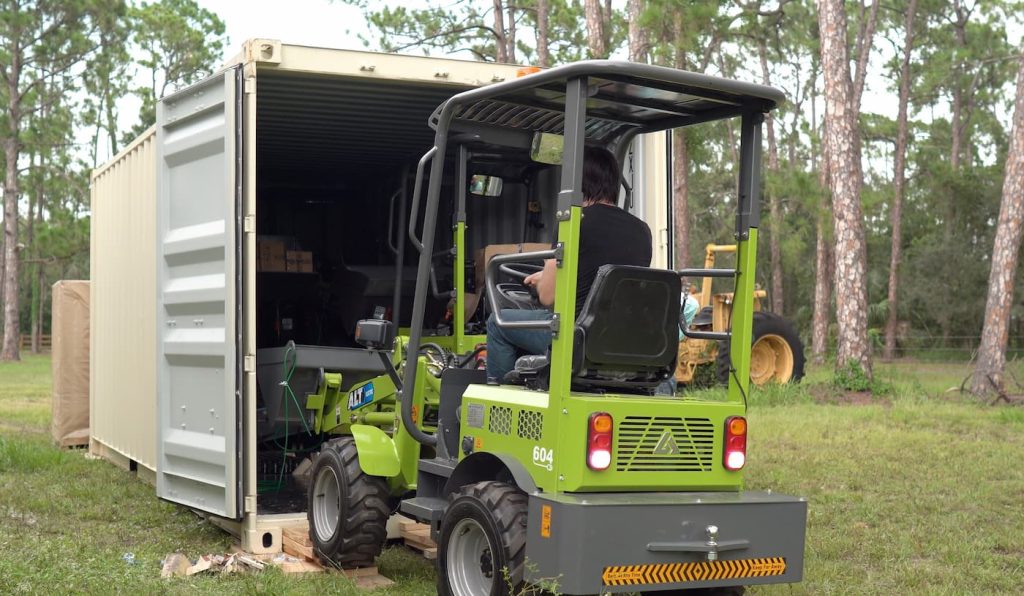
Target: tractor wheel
<point x="776" y="356"/>
<point x="483" y="542"/>
<point x="348" y="510"/>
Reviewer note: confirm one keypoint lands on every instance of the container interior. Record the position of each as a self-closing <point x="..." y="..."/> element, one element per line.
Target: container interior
<point x="334" y="156"/>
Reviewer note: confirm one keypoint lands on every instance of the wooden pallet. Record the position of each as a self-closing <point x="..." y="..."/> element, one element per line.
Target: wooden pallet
<point x="298" y="557"/>
<point x="417" y="537"/>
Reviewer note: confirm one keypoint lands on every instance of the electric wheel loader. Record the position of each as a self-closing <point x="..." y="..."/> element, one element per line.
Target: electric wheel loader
<point x="577" y="477"/>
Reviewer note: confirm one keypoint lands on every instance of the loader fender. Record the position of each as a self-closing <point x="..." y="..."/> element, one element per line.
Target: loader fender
<point x="377" y="453"/>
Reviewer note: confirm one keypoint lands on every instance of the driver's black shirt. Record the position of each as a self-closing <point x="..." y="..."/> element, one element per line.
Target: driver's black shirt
<point x="609" y="236"/>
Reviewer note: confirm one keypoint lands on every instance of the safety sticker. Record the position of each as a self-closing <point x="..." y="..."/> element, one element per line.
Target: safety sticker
<point x="360" y="396"/>
<point x="545" y="522"/>
<point x="669" y="573"/>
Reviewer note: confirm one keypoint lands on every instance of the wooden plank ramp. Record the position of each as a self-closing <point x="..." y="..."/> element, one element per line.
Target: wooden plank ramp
<point x="417" y="537"/>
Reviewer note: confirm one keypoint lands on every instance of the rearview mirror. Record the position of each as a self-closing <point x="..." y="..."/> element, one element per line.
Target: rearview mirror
<point x="547" y="148"/>
<point x="486" y="186"/>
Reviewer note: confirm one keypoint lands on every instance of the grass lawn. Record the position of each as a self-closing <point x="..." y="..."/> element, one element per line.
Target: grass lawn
<point x="918" y="491"/>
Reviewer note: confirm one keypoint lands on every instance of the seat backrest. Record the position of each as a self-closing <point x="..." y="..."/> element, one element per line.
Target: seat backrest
<point x="628" y="330"/>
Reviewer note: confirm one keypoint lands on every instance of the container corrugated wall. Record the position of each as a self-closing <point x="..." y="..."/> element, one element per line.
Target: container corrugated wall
<point x="123" y="340"/>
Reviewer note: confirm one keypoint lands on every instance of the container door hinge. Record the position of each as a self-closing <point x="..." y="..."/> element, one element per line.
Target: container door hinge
<point x="250" y="504"/>
<point x="249" y="364"/>
<point x="249" y="224"/>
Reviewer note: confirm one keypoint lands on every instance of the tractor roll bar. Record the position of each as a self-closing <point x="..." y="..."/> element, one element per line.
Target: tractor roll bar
<point x="717" y="273"/>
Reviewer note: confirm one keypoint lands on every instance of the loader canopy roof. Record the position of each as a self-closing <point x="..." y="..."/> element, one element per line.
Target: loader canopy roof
<point x="624" y="98"/>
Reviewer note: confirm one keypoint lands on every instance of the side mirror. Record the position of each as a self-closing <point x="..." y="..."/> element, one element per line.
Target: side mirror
<point x="485" y="186"/>
<point x="375" y="334"/>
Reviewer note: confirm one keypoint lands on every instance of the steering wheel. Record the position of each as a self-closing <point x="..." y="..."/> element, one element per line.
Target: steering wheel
<point x="518" y="294"/>
<point x="519" y="271"/>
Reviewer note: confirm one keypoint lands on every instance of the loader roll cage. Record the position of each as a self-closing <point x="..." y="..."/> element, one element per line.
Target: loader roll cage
<point x="605" y="103"/>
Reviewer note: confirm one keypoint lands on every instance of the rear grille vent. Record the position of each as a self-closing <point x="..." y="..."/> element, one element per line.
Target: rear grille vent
<point x="531" y="424"/>
<point x="501" y="420"/>
<point x="664" y="444"/>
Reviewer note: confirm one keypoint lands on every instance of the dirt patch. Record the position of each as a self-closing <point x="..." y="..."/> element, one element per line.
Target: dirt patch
<point x="828" y="394"/>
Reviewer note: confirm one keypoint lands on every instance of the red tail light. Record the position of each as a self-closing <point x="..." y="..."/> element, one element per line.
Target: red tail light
<point x="599" y="441"/>
<point x="735" y="442"/>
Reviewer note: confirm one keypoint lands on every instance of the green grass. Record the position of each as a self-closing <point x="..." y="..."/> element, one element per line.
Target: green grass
<point x="915" y="491"/>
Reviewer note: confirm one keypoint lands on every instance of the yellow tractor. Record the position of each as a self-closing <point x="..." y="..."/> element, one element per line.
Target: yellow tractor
<point x="776" y="356"/>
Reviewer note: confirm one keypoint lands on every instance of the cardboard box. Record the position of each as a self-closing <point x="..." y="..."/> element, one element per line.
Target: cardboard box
<point x="299" y="261"/>
<point x="271" y="255"/>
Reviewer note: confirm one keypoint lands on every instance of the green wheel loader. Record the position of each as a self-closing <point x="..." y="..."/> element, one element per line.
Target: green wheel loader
<point x="578" y="477"/>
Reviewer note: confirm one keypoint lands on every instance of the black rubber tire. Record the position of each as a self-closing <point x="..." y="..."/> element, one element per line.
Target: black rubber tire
<point x="361" y="529"/>
<point x="765" y="323"/>
<point x="501" y="510"/>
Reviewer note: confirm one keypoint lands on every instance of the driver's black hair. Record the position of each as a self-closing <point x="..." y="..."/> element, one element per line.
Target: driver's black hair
<point x="601" y="174"/>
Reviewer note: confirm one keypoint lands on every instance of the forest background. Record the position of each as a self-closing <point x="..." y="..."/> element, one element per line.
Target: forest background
<point x="888" y="174"/>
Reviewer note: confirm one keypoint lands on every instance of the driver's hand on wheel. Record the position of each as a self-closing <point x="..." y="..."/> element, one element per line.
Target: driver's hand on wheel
<point x="533" y="279"/>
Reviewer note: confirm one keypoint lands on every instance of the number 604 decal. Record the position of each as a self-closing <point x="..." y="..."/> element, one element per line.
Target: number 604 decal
<point x="544" y="457"/>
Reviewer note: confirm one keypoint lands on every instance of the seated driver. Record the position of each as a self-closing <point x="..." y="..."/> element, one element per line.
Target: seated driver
<point x="608" y="236"/>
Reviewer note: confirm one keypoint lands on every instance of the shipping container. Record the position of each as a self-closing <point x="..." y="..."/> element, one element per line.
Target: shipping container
<point x="266" y="206"/>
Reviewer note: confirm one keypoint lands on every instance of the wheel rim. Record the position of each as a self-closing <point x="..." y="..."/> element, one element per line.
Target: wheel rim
<point x="470" y="560"/>
<point x="771" y="359"/>
<point x="326" y="504"/>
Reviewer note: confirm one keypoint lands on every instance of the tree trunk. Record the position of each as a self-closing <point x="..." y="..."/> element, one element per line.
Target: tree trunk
<point x="510" y="36"/>
<point x="595" y="28"/>
<point x="681" y="197"/>
<point x="12" y="321"/>
<point x="843" y="147"/>
<point x="864" y="44"/>
<point x="543" y="14"/>
<point x="680" y="170"/>
<point x="31" y="250"/>
<point x="822" y="264"/>
<point x="774" y="213"/>
<point x="988" y="372"/>
<point x="499" y="29"/>
<point x="637" y="34"/>
<point x="898" y="183"/>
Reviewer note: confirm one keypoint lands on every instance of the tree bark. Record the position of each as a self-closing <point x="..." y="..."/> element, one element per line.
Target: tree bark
<point x="499" y="28"/>
<point x="637" y="34"/>
<point x="543" y="35"/>
<point x="774" y="213"/>
<point x="898" y="183"/>
<point x="843" y="147"/>
<point x="988" y="372"/>
<point x="595" y="28"/>
<point x="681" y="197"/>
<point x="33" y="200"/>
<point x="510" y="35"/>
<point x="680" y="170"/>
<point x="822" y="265"/>
<point x="12" y="147"/>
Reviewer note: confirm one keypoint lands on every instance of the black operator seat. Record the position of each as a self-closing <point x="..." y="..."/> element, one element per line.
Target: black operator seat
<point x="626" y="337"/>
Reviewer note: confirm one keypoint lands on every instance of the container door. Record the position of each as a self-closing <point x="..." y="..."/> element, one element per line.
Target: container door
<point x="198" y="285"/>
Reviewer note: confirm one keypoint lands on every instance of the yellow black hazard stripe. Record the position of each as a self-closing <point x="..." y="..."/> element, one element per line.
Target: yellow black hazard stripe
<point x="667" y="573"/>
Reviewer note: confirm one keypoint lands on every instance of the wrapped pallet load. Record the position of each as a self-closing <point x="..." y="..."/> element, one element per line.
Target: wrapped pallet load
<point x="70" y="331"/>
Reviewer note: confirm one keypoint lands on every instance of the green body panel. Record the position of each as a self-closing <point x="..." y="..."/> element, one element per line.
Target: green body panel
<point x="742" y="317"/>
<point x="377" y="420"/>
<point x="551" y="441"/>
<point x="378" y="455"/>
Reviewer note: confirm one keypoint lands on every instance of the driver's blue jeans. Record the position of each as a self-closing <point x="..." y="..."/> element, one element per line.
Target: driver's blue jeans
<point x="505" y="345"/>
